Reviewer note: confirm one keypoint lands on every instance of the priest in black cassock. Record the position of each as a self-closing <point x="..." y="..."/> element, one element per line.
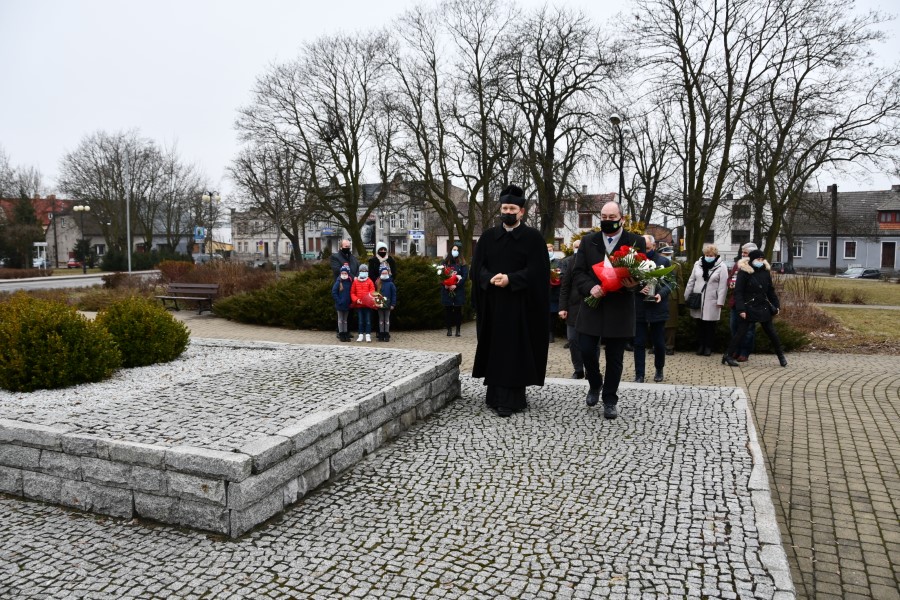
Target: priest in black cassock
<point x="509" y="274"/>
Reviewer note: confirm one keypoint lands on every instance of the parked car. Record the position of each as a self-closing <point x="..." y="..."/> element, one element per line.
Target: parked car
<point x="202" y="259"/>
<point x="785" y="268"/>
<point x="40" y="263"/>
<point x="861" y="273"/>
<point x="73" y="263"/>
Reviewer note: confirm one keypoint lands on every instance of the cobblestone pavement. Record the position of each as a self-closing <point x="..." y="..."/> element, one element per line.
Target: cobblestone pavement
<point x="554" y="502"/>
<point x="829" y="425"/>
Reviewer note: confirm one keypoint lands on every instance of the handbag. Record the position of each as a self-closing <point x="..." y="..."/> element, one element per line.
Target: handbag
<point x="695" y="299"/>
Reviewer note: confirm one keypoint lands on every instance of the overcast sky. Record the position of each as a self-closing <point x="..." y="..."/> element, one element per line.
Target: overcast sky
<point x="177" y="70"/>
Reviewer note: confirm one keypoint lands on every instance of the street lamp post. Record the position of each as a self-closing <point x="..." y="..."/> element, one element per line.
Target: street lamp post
<point x="210" y="197"/>
<point x="620" y="137"/>
<point x="82" y="209"/>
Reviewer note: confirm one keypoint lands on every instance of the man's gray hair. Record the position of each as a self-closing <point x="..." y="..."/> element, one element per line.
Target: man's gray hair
<point x="749" y="247"/>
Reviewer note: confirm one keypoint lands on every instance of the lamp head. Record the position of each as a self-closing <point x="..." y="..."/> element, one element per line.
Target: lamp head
<point x="615" y="120"/>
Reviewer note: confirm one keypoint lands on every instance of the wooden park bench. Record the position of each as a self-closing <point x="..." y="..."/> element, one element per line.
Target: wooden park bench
<point x="201" y="293"/>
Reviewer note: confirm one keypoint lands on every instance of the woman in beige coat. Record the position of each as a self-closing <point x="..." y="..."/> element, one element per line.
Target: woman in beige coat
<point x="709" y="278"/>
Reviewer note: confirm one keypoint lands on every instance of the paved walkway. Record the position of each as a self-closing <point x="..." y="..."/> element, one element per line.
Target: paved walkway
<point x="830" y="429"/>
<point x="829" y="426"/>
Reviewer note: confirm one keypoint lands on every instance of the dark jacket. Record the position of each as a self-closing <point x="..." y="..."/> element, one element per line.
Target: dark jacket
<point x="511" y="321"/>
<point x="341" y="298"/>
<point x="754" y="293"/>
<point x="569" y="299"/>
<point x="389" y="291"/>
<point x="654" y="312"/>
<point x="375" y="266"/>
<point x="338" y="260"/>
<point x="459" y="298"/>
<point x="614" y="317"/>
<point x="554" y="289"/>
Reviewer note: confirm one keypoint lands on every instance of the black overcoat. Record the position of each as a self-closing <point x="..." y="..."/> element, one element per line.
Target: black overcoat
<point x="614" y="317"/>
<point x="511" y="321"/>
<point x="654" y="312"/>
<point x="754" y="293"/>
<point x="569" y="300"/>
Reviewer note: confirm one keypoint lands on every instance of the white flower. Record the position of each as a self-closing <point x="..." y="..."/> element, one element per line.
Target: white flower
<point x="647" y="265"/>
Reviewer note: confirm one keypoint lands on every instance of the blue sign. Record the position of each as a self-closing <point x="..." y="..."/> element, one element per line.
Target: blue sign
<point x="199" y="234"/>
<point x="327" y="231"/>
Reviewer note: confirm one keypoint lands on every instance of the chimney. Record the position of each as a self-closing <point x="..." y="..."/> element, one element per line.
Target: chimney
<point x="584" y="190"/>
<point x="895" y="188"/>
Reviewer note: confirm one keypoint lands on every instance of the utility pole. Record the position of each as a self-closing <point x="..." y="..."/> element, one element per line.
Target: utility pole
<point x="832" y="251"/>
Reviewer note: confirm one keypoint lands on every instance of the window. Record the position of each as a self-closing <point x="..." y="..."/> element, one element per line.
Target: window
<point x="742" y="211"/>
<point x="740" y="236"/>
<point x="798" y="249"/>
<point x="393" y="221"/>
<point x="710" y="237"/>
<point x="417" y="219"/>
<point x="585" y="220"/>
<point x="849" y="249"/>
<point x="822" y="250"/>
<point x="404" y="246"/>
<point x="403" y="220"/>
<point x="287" y="247"/>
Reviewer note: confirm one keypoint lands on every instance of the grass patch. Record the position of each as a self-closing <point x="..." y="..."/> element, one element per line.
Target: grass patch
<point x="833" y="290"/>
<point x="857" y="331"/>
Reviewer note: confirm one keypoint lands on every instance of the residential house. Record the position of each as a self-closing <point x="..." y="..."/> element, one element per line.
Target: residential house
<point x="868" y="227"/>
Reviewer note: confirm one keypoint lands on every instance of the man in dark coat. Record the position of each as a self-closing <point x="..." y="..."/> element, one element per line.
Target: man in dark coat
<point x="509" y="282"/>
<point x="613" y="319"/>
<point x="570" y="303"/>
<point x="344" y="257"/>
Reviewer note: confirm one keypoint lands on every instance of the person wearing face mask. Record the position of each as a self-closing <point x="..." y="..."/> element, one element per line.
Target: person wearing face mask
<point x="651" y="313"/>
<point x="555" y="285"/>
<point x="340" y="291"/>
<point x="746" y="346"/>
<point x="755" y="301"/>
<point x="380" y="259"/>
<point x="709" y="278"/>
<point x="344" y="257"/>
<point x="362" y="287"/>
<point x="386" y="287"/>
<point x="453" y="297"/>
<point x="613" y="318"/>
<point x="570" y="302"/>
<point x="512" y="299"/>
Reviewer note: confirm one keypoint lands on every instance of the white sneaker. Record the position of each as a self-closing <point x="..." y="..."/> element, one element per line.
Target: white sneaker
<point x="368" y="338"/>
<point x="359" y="339"/>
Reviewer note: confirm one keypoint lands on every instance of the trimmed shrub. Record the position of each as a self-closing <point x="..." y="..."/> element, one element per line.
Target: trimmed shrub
<point x="47" y="345"/>
<point x="144" y="331"/>
<point x="303" y="301"/>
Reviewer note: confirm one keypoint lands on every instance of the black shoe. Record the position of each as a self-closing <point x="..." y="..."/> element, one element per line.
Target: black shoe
<point x="629" y="347"/>
<point x="639" y="380"/>
<point x="700" y="351"/>
<point x="504" y="412"/>
<point x="577" y="375"/>
<point x="449" y="332"/>
<point x="659" y="376"/>
<point x="566" y="346"/>
<point x="457" y="331"/>
<point x="609" y="411"/>
<point x="727" y="360"/>
<point x="670" y="353"/>
<point x="592" y="398"/>
<point x="782" y="360"/>
<point x="387" y="336"/>
<point x="707" y="352"/>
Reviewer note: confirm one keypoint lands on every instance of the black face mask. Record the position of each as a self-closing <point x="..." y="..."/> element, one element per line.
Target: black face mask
<point x="610" y="227"/>
<point x="508" y="219"/>
<point x="382" y="254"/>
<point x="345" y="251"/>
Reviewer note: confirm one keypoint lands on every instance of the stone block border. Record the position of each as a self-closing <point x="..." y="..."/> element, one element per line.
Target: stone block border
<point x="224" y="492"/>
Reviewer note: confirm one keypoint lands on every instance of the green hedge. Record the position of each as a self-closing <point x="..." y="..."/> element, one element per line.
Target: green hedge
<point x="303" y="301"/>
<point x="686" y="336"/>
<point x="144" y="331"/>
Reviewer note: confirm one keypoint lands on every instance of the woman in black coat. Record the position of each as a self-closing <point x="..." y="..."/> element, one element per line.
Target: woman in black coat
<point x="454" y="297"/>
<point x="755" y="302"/>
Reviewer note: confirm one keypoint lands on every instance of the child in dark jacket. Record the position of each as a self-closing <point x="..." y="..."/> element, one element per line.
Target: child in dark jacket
<point x="386" y="287"/>
<point x="340" y="291"/>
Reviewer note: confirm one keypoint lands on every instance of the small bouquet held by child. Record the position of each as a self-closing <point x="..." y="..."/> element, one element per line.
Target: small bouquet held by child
<point x="555" y="276"/>
<point x="373" y="300"/>
<point x="626" y="263"/>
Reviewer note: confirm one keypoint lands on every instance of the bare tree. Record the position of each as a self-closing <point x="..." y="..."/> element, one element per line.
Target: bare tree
<point x="181" y="185"/>
<point x="7" y="176"/>
<point x="270" y="180"/>
<point x="558" y="72"/>
<point x="331" y="107"/>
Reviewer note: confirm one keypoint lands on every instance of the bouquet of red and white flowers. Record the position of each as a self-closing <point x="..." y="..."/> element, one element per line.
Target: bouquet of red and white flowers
<point x="373" y="300"/>
<point x="451" y="278"/>
<point x="626" y="263"/>
<point x="555" y="273"/>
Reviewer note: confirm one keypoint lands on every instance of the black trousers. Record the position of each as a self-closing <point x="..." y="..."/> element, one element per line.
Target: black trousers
<point x="452" y="316"/>
<point x="706" y="333"/>
<point x="744" y="325"/>
<point x="608" y="385"/>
